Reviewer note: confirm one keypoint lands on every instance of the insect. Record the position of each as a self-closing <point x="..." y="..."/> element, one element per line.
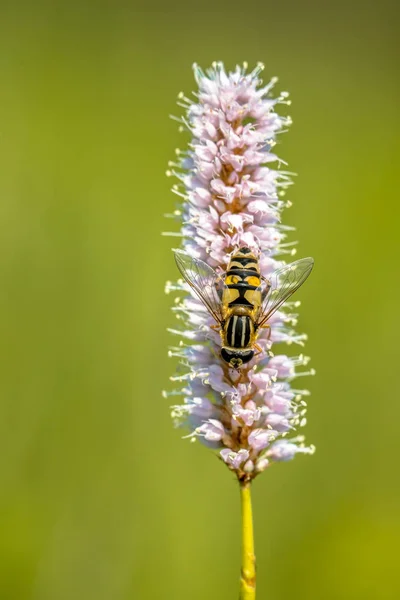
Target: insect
<point x="241" y="300"/>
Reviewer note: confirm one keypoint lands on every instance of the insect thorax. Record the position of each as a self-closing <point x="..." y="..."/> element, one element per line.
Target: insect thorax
<point x="238" y="331"/>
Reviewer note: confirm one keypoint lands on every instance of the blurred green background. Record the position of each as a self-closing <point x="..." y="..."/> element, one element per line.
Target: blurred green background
<point x="99" y="497"/>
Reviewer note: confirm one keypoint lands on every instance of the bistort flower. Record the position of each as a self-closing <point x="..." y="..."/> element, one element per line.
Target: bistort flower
<point x="232" y="192"/>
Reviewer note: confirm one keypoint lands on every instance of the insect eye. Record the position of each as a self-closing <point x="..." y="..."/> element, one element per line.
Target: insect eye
<point x="236" y="359"/>
<point x="226" y="355"/>
<point x="247" y="356"/>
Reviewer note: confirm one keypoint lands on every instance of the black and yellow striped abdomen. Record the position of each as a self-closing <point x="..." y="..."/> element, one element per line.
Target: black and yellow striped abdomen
<point x="242" y="280"/>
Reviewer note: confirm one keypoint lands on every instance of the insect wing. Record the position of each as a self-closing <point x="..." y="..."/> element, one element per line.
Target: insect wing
<point x="203" y="280"/>
<point x="281" y="285"/>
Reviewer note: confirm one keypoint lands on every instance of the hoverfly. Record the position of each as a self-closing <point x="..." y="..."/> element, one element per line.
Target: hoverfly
<point x="241" y="300"/>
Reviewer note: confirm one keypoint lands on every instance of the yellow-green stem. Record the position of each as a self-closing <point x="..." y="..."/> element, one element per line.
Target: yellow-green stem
<point x="248" y="573"/>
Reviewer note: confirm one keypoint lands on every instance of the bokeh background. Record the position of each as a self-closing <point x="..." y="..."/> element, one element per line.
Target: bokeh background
<point x="99" y="496"/>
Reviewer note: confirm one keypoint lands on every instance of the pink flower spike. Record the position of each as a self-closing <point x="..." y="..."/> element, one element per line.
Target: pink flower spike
<point x="231" y="191"/>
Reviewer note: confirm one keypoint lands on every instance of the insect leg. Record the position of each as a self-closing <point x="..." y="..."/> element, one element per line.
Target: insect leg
<point x="258" y="348"/>
<point x="267" y="326"/>
<point x="267" y="286"/>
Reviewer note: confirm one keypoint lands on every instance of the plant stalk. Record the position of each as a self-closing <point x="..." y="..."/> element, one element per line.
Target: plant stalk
<point x="248" y="572"/>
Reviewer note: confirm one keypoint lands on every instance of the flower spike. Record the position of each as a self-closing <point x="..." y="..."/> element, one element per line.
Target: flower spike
<point x="230" y="187"/>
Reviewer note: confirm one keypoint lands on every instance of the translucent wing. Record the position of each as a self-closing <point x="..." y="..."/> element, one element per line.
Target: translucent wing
<point x="281" y="285"/>
<point x="203" y="280"/>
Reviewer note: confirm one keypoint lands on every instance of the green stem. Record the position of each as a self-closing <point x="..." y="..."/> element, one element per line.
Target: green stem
<point x="248" y="574"/>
